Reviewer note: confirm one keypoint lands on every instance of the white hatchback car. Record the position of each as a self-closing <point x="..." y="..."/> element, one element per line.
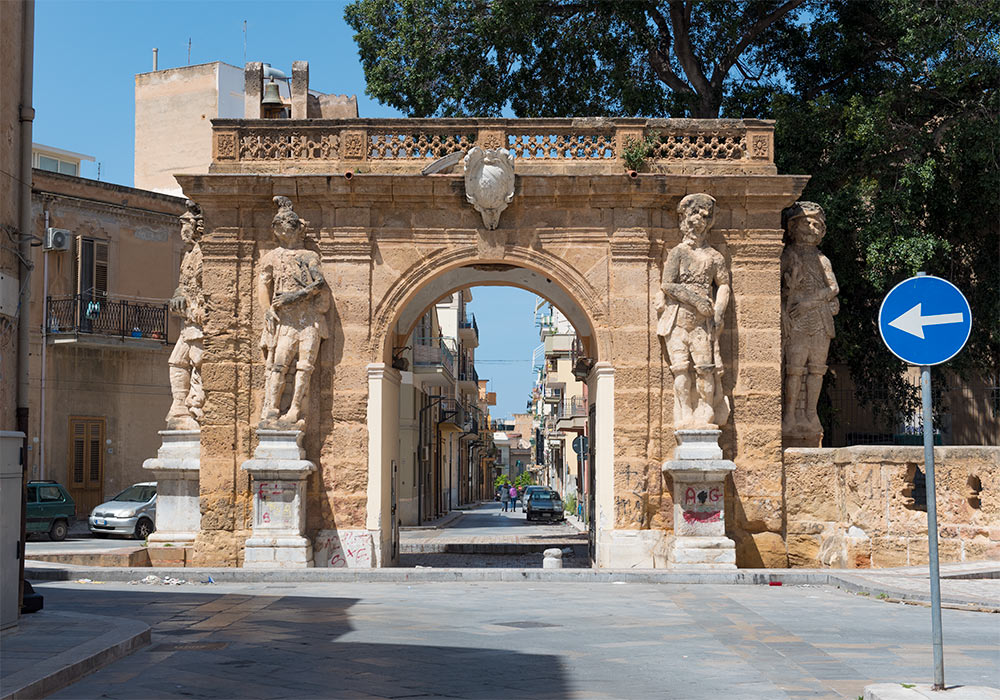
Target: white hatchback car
<point x="132" y="512"/>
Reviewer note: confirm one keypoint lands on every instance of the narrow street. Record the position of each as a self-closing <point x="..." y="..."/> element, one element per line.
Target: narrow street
<point x="486" y="536"/>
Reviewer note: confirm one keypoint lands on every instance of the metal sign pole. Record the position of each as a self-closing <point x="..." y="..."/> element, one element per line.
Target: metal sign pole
<point x="932" y="529"/>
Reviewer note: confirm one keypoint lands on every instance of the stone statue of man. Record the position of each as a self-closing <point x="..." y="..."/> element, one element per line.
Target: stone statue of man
<point x="808" y="304"/>
<point x="293" y="294"/>
<point x="691" y="305"/>
<point x="188" y="302"/>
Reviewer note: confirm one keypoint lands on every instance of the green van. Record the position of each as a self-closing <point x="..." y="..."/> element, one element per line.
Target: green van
<point x="50" y="509"/>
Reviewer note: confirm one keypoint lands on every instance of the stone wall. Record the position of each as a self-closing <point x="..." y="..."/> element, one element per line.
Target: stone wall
<point x="854" y="507"/>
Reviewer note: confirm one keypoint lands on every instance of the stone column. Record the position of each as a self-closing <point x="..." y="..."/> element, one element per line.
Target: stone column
<point x="383" y="450"/>
<point x="602" y="391"/>
<point x="699" y="475"/>
<point x="178" y="510"/>
<point x="278" y="471"/>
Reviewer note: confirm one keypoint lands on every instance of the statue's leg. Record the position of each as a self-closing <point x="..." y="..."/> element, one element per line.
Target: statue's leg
<point x="179" y="417"/>
<point x="196" y="394"/>
<point x="308" y="352"/>
<point x="702" y="352"/>
<point x="814" y="385"/>
<point x="274" y="383"/>
<point x="793" y="387"/>
<point x="680" y="367"/>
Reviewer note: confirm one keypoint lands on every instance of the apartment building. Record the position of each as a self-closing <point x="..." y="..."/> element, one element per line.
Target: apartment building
<point x="559" y="404"/>
<point x="445" y="442"/>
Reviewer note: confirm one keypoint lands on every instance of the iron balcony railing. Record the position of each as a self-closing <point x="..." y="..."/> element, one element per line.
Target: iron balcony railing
<point x="469" y="322"/>
<point x="434" y="351"/>
<point x="106" y="316"/>
<point x="573" y="407"/>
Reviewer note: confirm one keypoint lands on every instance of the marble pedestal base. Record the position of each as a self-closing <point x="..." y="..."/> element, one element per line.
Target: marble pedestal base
<point x="278" y="473"/>
<point x="178" y="505"/>
<point x="699" y="475"/>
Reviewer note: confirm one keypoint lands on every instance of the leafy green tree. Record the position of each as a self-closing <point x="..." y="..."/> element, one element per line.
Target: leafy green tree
<point x="890" y="105"/>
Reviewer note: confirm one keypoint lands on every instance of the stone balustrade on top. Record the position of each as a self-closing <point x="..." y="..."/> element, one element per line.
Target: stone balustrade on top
<point x="584" y="146"/>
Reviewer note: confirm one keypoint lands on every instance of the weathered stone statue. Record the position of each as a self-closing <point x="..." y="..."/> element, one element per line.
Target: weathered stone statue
<point x="292" y="292"/>
<point x="808" y="304"/>
<point x="188" y="302"/>
<point x="691" y="305"/>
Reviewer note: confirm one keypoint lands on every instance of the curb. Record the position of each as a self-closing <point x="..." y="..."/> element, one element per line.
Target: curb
<point x="52" y="674"/>
<point x="755" y="577"/>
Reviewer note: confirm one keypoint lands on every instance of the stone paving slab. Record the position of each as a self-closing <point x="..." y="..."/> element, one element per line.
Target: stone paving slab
<point x="49" y="650"/>
<point x="540" y="640"/>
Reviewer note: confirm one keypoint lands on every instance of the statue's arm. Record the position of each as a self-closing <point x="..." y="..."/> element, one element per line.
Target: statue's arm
<point x="264" y="285"/>
<point x="832" y="288"/>
<point x="682" y="292"/>
<point x="723" y="293"/>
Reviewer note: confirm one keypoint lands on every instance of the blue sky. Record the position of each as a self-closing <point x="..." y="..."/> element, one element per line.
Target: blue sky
<point x="86" y="57"/>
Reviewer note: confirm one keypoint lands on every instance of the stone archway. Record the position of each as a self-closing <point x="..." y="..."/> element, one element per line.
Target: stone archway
<point x="429" y="281"/>
<point x="385" y="232"/>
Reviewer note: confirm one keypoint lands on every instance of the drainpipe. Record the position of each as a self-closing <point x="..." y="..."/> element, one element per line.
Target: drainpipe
<point x="26" y="116"/>
<point x="45" y="342"/>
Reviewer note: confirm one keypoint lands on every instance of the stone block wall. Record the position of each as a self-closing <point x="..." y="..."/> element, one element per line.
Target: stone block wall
<point x="856" y="507"/>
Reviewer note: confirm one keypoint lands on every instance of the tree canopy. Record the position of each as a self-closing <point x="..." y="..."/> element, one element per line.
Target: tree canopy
<point x="891" y="105"/>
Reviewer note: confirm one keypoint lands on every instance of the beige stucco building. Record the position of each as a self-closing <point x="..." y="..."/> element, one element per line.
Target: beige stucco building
<point x="101" y="333"/>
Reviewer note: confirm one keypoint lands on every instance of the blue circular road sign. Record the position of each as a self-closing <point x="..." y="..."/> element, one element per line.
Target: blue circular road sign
<point x="925" y="320"/>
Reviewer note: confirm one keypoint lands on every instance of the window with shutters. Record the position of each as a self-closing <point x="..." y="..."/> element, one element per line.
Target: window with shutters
<point x="93" y="263"/>
<point x="86" y="451"/>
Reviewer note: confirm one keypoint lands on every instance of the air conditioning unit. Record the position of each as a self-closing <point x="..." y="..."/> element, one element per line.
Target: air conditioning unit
<point x="57" y="239"/>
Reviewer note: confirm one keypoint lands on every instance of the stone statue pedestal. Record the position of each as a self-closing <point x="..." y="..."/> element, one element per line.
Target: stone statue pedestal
<point x="178" y="505"/>
<point x="699" y="475"/>
<point x="278" y="473"/>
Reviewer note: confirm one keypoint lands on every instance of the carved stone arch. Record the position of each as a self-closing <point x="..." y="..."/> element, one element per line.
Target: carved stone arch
<point x="577" y="292"/>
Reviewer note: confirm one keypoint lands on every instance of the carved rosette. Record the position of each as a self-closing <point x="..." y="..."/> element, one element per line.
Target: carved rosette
<point x="489" y="183"/>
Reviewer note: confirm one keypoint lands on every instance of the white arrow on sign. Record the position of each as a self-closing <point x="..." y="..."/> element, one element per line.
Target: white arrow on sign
<point x="913" y="323"/>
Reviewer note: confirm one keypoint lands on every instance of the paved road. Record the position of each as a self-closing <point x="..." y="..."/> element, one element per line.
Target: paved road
<point x="490" y="521"/>
<point x="514" y="640"/>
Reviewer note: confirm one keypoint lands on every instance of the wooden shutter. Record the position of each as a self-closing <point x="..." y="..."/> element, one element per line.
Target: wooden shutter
<point x="101" y="264"/>
<point x="78" y="450"/>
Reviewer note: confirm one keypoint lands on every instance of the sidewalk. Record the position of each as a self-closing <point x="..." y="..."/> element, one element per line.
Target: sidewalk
<point x="50" y="650"/>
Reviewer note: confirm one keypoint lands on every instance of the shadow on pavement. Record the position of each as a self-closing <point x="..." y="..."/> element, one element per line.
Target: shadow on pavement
<point x="238" y="646"/>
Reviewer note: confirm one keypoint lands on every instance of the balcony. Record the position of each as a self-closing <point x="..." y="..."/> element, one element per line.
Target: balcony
<point x="572" y="415"/>
<point x="454" y="416"/>
<point x="553" y="396"/>
<point x="434" y="361"/>
<point x="468" y="332"/>
<point x="468" y="378"/>
<point x="108" y="320"/>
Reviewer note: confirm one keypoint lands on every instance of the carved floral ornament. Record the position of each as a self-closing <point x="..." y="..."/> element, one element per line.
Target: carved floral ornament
<point x="489" y="183"/>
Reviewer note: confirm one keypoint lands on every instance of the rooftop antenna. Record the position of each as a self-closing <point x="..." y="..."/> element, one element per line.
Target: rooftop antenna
<point x="244" y="42"/>
<point x="155" y="57"/>
<point x="189" y="51"/>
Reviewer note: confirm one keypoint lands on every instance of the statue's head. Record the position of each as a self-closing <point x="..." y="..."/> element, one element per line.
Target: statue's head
<point x="805" y="223"/>
<point x="192" y="223"/>
<point x="697" y="212"/>
<point x="288" y="228"/>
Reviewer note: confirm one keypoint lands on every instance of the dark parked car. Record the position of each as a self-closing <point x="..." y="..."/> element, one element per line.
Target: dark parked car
<point x="527" y="494"/>
<point x="50" y="509"/>
<point x="544" y="504"/>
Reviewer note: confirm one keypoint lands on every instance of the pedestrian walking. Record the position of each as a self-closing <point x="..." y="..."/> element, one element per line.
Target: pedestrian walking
<point x="504" y="497"/>
<point x="513" y="498"/>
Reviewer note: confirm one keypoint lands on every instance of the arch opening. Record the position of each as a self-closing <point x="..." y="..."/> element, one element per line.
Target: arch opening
<point x="434" y="446"/>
